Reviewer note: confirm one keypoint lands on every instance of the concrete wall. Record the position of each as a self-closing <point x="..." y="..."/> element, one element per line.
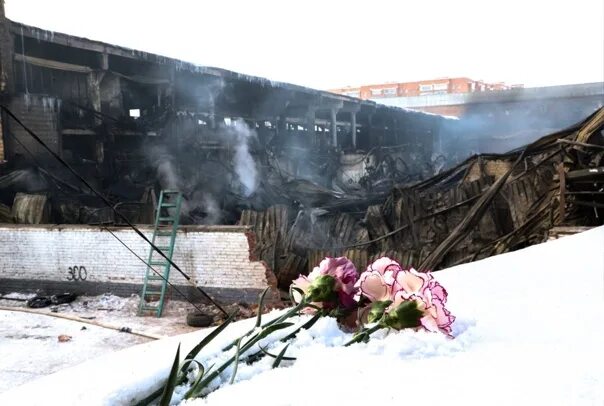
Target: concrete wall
<point x="39" y="113"/>
<point x="1" y="141"/>
<point x="43" y="257"/>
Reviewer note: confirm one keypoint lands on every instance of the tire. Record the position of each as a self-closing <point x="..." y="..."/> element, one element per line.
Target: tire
<point x="197" y="319"/>
<point x="39" y="302"/>
<point x="63" y="298"/>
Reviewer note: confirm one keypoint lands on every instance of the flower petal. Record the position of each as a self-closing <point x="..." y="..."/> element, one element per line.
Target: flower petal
<point x="443" y="317"/>
<point x="429" y="323"/>
<point x="438" y="291"/>
<point x="412" y="282"/>
<point x="382" y="265"/>
<point x="373" y="287"/>
<point x="302" y="282"/>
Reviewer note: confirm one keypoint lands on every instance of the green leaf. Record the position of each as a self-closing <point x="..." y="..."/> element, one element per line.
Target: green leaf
<point x="166" y="395"/>
<point x="260" y="304"/>
<point x="234" y="342"/>
<point x="292" y="289"/>
<point x="305" y="326"/>
<point x="270" y="329"/>
<point x="290" y="313"/>
<point x="196" y="381"/>
<point x="193" y="353"/>
<point x="280" y="357"/>
<point x="264" y="350"/>
<point x="363" y="335"/>
<point x="236" y="361"/>
<point x="264" y="333"/>
<point x="188" y="362"/>
<point x="257" y="356"/>
<point x="196" y="390"/>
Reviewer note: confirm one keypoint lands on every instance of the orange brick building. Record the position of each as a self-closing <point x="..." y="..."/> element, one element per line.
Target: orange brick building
<point x="421" y="88"/>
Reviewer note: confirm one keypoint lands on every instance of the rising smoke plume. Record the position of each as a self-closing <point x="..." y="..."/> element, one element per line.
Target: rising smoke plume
<point x="162" y="160"/>
<point x="205" y="183"/>
<point x="243" y="162"/>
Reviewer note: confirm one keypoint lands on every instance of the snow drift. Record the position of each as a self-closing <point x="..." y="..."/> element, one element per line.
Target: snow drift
<point x="529" y="331"/>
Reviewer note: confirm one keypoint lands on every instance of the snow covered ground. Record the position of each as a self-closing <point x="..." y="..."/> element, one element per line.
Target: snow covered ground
<point x="529" y="330"/>
<point x="29" y="346"/>
<point x="119" y="311"/>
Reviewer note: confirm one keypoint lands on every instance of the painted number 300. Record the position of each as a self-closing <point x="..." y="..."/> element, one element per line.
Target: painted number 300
<point x="76" y="273"/>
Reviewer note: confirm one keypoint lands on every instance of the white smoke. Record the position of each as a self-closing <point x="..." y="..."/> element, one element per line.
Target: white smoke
<point x="159" y="157"/>
<point x="166" y="174"/>
<point x="204" y="191"/>
<point x="212" y="209"/>
<point x="245" y="166"/>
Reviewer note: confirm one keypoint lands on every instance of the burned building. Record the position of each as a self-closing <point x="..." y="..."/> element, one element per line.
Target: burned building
<point x="486" y="205"/>
<point x="134" y="123"/>
<point x="300" y="173"/>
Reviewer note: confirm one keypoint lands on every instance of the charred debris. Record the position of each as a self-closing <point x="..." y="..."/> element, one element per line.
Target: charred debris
<point x="312" y="173"/>
<point x="486" y="205"/>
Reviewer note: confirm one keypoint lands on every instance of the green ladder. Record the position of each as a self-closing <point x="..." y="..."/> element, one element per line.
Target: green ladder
<point x="164" y="235"/>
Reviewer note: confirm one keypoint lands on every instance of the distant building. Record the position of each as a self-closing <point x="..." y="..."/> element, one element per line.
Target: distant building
<point x="494" y="117"/>
<point x="497" y="121"/>
<point x="422" y="88"/>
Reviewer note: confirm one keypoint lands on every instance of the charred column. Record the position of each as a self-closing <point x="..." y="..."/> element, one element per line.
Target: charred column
<point x="6" y="54"/>
<point x="212" y="111"/>
<point x="281" y="127"/>
<point x="310" y="124"/>
<point x="353" y="128"/>
<point x="334" y="127"/>
<point x="6" y="68"/>
<point x="94" y="92"/>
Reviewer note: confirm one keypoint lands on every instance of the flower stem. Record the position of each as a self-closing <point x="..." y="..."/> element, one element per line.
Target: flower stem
<point x="304" y="326"/>
<point x="242" y="348"/>
<point x="309" y="323"/>
<point x="292" y="312"/>
<point x="364" y="334"/>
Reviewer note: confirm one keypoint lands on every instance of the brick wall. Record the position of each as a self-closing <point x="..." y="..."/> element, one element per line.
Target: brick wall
<point x="216" y="257"/>
<point x="456" y="110"/>
<point x="410" y="89"/>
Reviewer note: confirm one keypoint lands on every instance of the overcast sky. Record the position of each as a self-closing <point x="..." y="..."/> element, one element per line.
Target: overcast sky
<point x="326" y="44"/>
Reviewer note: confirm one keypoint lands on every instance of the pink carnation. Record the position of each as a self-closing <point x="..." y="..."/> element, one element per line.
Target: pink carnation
<point x="385" y="279"/>
<point x="344" y="273"/>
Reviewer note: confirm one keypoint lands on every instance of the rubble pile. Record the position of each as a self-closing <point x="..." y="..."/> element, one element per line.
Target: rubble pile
<point x="487" y="205"/>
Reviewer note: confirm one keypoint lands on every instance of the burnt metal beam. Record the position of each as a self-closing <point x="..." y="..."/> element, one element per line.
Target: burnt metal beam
<point x="562" y="178"/>
<point x="47" y="63"/>
<point x="586" y="174"/>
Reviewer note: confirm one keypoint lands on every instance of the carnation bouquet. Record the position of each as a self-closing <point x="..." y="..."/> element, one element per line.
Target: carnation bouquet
<point x="386" y="296"/>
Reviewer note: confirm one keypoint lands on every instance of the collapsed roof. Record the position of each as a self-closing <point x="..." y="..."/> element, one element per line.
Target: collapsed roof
<point x="487" y="205"/>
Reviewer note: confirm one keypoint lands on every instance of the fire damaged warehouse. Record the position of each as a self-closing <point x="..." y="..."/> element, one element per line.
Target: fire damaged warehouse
<point x="307" y="172"/>
<point x="188" y="216"/>
<point x="139" y="123"/>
